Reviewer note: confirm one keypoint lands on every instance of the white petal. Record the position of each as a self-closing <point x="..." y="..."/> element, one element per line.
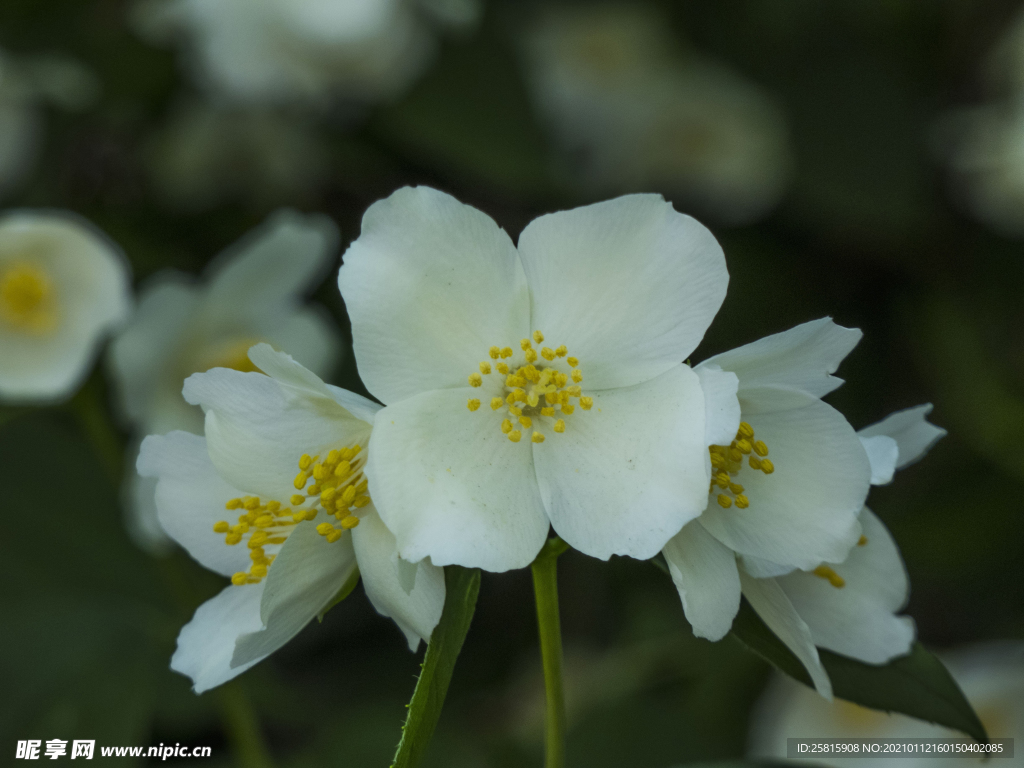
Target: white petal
<point x="190" y="498"/>
<point x="206" y="644"/>
<point x="911" y="431"/>
<point x="273" y="264"/>
<point x="704" y="571"/>
<point x="301" y="582"/>
<point x="767" y="598"/>
<point x="883" y="453"/>
<point x="627" y="475"/>
<point x="859" y="619"/>
<point x="257" y="428"/>
<point x="806" y="511"/>
<point x="430" y="285"/>
<point x="721" y="406"/>
<point x="360" y="407"/>
<point x="629" y="285"/>
<point x="451" y="486"/>
<point x="90" y="279"/>
<point x="760" y="568"/>
<point x="801" y="358"/>
<point x="309" y="335"/>
<point x="417" y="610"/>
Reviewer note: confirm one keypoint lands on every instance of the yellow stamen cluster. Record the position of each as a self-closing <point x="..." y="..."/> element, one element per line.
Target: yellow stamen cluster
<point x="532" y="392"/>
<point x="727" y="461"/>
<point x="27" y="298"/>
<point x="829" y="575"/>
<point x="338" y="487"/>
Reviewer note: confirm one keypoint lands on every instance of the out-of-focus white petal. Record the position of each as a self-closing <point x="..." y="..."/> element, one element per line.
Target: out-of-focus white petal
<point x="450" y="486"/>
<point x="416" y="610"/>
<point x="911" y="431"/>
<point x="430" y="286"/>
<point x="704" y="571"/>
<point x="206" y="644"/>
<point x="626" y="475"/>
<point x="858" y="620"/>
<point x="769" y="600"/>
<point x="190" y="498"/>
<point x="629" y="285"/>
<point x="883" y="453"/>
<point x="721" y="406"/>
<point x="302" y="581"/>
<point x="801" y="358"/>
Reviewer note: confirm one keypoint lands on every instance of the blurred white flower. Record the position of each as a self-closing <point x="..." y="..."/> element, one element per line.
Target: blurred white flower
<point x="300" y="541"/>
<point x="252" y="292"/>
<point x="311" y="51"/>
<point x="26" y="84"/>
<point x="630" y="112"/>
<point x="63" y="287"/>
<point x="486" y="441"/>
<point x="788" y="483"/>
<point x="990" y="675"/>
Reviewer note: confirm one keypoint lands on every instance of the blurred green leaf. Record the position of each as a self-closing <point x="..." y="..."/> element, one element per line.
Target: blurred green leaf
<point x="917" y="684"/>
<point x="462" y="586"/>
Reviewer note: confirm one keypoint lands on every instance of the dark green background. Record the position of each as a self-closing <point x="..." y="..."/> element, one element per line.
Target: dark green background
<point x="867" y="234"/>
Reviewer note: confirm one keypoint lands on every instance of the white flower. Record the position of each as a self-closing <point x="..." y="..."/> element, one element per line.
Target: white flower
<point x="991" y="676"/>
<point x="790" y="477"/>
<point x="486" y="437"/>
<point x="63" y="286"/>
<point x="299" y="540"/>
<point x="304" y="50"/>
<point x="252" y="293"/>
<point x="630" y="112"/>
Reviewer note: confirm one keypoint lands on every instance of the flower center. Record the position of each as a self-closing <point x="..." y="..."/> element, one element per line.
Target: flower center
<point x="27" y="298"/>
<point x="338" y="488"/>
<point x="727" y="462"/>
<point x="232" y="354"/>
<point x="532" y="395"/>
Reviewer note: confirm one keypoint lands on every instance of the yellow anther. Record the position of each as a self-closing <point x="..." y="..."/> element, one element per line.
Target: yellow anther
<point x="347" y="453"/>
<point x="221" y="527"/>
<point x="361" y="501"/>
<point x="833" y="578"/>
<point x="718" y="461"/>
<point x="515" y="410"/>
<point x="744" y="446"/>
<point x="742" y="501"/>
<point x="333" y="456"/>
<point x="296" y="499"/>
<point x="320" y="472"/>
<point x="502" y="368"/>
<point x="233" y="504"/>
<point x="560" y="425"/>
<point x="511" y="399"/>
<point x="324" y="528"/>
<point x="562" y="351"/>
<point x="239" y="579"/>
<point x="736" y="488"/>
<point x="485" y="368"/>
<point x="348" y="494"/>
<point x="515" y="435"/>
<point x="577" y="375"/>
<point x="526" y="421"/>
<point x="574" y="390"/>
<point x="258" y="538"/>
<point x="349" y="522"/>
<point x="572" y="361"/>
<point x="561" y="379"/>
<point x="547" y="353"/>
<point x="551" y="398"/>
<point x="506" y="426"/>
<point x="264" y="521"/>
<point x="251" y="503"/>
<point x="310" y="514"/>
<point x="586" y="403"/>
<point x="735" y="454"/>
<point x="537" y="437"/>
<point x="305" y="461"/>
<point x="300" y="480"/>
<point x="767" y="467"/>
<point x="745" y="431"/>
<point x="233" y="538"/>
<point x="256" y="554"/>
<point x="525" y="345"/>
<point x="475" y="379"/>
<point x="538" y="336"/>
<point x="569" y="407"/>
<point x="506" y="352"/>
<point x="313" y="490"/>
<point x="547" y="411"/>
<point x="755" y="463"/>
<point x="496" y="403"/>
<point x="473" y="404"/>
<point x="760" y="448"/>
<point x="862" y="541"/>
<point x="328" y="494"/>
<point x="259" y="571"/>
<point x="494" y="353"/>
<point x="722" y="479"/>
<point x="343" y="468"/>
<point x="355" y="451"/>
<point x="273" y="506"/>
<point x="333" y="536"/>
<point x="724" y="501"/>
<point x="531" y="355"/>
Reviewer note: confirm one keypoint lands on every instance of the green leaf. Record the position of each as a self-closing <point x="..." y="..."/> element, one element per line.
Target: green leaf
<point x="917" y="684"/>
<point x="462" y="586"/>
<point x="345" y="591"/>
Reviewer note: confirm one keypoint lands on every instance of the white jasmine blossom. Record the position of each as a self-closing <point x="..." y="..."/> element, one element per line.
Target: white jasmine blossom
<point x="306" y="51"/>
<point x="63" y="287"/>
<point x="534" y="385"/>
<point x="629" y="111"/>
<point x="299" y="539"/>
<point x="252" y="292"/>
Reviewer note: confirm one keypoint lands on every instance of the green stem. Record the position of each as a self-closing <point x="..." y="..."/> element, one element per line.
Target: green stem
<point x="545" y="590"/>
<point x="242" y="725"/>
